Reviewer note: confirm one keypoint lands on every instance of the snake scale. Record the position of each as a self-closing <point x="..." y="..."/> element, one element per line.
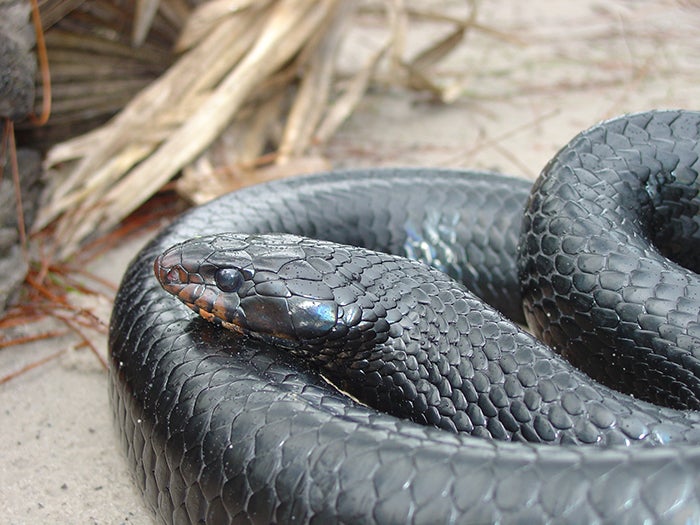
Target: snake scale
<point x="485" y="424"/>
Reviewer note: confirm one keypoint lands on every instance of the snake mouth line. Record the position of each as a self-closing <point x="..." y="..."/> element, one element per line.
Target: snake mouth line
<point x="238" y="330"/>
<point x="212" y="318"/>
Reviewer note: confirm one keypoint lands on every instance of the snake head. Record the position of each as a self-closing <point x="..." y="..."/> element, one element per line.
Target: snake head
<point x="265" y="286"/>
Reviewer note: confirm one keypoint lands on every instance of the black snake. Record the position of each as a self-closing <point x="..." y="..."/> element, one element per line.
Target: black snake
<point x="222" y="428"/>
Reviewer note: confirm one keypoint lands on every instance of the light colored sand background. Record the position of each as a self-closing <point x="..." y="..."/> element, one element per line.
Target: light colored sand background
<point x="556" y="68"/>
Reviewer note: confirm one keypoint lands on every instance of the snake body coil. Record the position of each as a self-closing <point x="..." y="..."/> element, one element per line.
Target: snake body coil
<point x="228" y="429"/>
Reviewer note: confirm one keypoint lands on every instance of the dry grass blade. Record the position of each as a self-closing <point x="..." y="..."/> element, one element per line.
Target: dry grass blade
<point x="315" y="87"/>
<point x="145" y="13"/>
<point x="231" y="159"/>
<point x="341" y="109"/>
<point x="208" y="15"/>
<point x="419" y="76"/>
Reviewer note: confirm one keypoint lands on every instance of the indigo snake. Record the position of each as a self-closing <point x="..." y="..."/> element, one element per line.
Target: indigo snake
<point x="222" y="427"/>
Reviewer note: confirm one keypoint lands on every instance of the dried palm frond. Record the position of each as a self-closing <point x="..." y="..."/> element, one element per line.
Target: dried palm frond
<point x="259" y="76"/>
<point x="96" y="65"/>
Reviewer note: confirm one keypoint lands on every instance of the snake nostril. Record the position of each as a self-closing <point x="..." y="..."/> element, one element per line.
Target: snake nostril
<point x="176" y="275"/>
<point x="170" y="274"/>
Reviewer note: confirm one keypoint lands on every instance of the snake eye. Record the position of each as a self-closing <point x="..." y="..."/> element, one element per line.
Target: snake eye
<point x="228" y="279"/>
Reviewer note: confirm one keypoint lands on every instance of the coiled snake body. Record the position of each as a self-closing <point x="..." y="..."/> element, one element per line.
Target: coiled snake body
<point x="239" y="428"/>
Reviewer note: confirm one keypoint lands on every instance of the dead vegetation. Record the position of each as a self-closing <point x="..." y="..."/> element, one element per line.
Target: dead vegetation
<point x="254" y="94"/>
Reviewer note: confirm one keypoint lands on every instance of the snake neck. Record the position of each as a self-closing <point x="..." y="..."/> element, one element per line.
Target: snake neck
<point x="417" y="345"/>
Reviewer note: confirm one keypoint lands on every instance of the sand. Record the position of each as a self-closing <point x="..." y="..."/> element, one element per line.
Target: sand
<point x="557" y="68"/>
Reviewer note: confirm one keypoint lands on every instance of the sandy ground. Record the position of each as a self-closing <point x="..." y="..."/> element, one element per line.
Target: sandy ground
<point x="550" y="70"/>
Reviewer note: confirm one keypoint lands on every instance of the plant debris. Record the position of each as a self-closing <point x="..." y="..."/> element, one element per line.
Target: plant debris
<point x="255" y="93"/>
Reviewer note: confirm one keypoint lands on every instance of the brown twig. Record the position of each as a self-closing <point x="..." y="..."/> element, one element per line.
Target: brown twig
<point x="32" y="338"/>
<point x="43" y="118"/>
<point x="14" y="168"/>
<point x="31" y="366"/>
